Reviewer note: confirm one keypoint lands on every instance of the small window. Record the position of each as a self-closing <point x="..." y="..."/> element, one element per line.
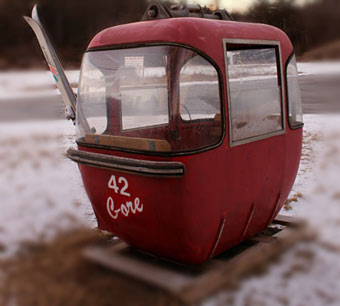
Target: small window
<point x="255" y="91"/>
<point x="294" y="95"/>
<point x="199" y="91"/>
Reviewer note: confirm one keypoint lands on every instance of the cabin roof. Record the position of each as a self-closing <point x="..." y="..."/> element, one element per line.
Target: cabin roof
<point x="203" y="34"/>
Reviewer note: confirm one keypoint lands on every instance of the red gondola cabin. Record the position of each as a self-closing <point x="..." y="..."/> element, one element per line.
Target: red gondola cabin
<point x="189" y="132"/>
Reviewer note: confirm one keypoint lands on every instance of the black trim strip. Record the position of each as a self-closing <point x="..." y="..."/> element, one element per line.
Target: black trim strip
<point x="167" y="169"/>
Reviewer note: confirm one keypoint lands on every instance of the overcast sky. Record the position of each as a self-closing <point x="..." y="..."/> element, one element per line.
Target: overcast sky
<point x="235" y="4"/>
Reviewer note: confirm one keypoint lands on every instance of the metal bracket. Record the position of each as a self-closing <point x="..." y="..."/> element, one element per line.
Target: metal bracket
<point x="158" y="10"/>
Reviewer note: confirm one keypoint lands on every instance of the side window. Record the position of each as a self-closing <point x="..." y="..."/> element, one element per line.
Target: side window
<point x="294" y="95"/>
<point x="199" y="91"/>
<point x="255" y="91"/>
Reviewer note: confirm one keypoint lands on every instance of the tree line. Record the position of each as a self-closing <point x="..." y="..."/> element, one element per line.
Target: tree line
<point x="72" y="23"/>
<point x="309" y="26"/>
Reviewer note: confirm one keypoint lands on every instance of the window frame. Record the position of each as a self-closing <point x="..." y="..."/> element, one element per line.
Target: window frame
<point x="221" y="85"/>
<point x="256" y="44"/>
<point x="299" y="126"/>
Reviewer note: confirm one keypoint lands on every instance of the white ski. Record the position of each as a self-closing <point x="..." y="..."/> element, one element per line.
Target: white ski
<point x="54" y="64"/>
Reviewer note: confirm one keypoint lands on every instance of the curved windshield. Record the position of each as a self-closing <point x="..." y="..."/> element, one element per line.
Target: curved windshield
<point x="159" y="98"/>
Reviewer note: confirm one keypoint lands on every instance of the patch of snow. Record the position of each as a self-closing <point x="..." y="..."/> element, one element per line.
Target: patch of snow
<point x="319" y="68"/>
<point x="30" y="84"/>
<point x="40" y="189"/>
<point x="313" y="144"/>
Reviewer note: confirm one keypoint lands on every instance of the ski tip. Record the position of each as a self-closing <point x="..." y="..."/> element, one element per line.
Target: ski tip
<point x="35" y="14"/>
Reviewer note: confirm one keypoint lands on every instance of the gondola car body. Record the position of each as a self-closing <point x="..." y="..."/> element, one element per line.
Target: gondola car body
<point x="189" y="133"/>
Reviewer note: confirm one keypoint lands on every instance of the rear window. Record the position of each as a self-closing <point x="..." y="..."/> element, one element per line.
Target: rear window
<point x="254" y="91"/>
<point x="158" y="98"/>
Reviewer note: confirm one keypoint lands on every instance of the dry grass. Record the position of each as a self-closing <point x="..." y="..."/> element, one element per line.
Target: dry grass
<point x="57" y="274"/>
<point x="295" y="198"/>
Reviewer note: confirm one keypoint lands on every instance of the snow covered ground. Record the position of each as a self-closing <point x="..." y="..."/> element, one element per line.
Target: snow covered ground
<point x="329" y="68"/>
<point x="30" y="84"/>
<point x="40" y="188"/>
<point x="41" y="192"/>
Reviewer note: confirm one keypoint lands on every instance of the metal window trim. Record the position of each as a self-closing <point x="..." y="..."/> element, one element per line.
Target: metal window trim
<point x="254" y="42"/>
